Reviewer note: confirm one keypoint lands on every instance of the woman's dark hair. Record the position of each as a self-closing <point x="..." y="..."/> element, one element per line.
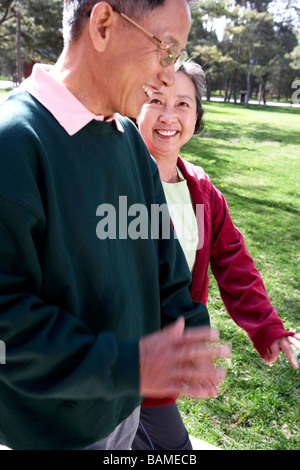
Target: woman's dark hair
<point x="196" y="74"/>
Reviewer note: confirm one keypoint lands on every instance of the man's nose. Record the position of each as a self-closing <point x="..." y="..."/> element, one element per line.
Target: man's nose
<point x="167" y="75"/>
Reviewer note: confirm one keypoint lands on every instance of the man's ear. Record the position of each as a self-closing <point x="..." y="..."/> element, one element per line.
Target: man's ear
<point x="101" y="21"/>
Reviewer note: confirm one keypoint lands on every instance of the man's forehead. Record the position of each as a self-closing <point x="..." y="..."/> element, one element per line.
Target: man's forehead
<point x="171" y="20"/>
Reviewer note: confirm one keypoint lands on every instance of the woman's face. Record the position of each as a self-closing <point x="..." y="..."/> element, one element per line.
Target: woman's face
<point x="168" y="120"/>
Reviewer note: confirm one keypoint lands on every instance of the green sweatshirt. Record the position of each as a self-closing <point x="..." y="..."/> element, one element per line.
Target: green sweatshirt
<point x="73" y="304"/>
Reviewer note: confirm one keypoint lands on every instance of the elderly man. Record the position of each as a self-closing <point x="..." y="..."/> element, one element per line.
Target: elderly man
<point x="92" y="314"/>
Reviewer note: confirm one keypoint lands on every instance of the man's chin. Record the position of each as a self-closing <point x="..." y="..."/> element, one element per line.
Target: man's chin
<point x="133" y="107"/>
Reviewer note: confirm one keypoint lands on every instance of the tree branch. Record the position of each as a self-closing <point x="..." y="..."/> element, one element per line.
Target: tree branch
<point x="4" y="16"/>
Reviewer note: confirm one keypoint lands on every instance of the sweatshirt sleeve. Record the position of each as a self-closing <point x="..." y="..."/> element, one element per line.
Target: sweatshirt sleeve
<point x="241" y="286"/>
<point x="49" y="352"/>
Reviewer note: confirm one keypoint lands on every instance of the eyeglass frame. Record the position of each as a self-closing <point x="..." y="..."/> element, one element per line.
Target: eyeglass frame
<point x="179" y="58"/>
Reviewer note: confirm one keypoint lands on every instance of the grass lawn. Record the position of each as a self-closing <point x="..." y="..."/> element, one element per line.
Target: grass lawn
<point x="3" y="92"/>
<point x="253" y="156"/>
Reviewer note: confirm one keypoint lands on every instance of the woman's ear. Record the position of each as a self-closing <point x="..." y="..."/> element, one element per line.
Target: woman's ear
<point x="101" y="21"/>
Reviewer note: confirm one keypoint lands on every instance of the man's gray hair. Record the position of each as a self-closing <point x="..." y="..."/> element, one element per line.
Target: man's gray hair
<point x="197" y="75"/>
<point x="76" y="12"/>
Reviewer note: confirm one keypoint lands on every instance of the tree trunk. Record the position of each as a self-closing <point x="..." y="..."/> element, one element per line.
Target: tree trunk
<point x="235" y="76"/>
<point x="18" y="49"/>
<point x="260" y="93"/>
<point x="248" y="88"/>
<point x="251" y="68"/>
<point x="279" y="91"/>
<point x="226" y="89"/>
<point x="234" y="85"/>
<point x="208" y="88"/>
<point x="264" y="82"/>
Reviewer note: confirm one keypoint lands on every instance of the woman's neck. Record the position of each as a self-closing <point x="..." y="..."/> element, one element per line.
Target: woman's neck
<point x="167" y="167"/>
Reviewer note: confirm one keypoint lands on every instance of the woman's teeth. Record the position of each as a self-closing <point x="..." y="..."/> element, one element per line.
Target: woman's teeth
<point x="166" y="133"/>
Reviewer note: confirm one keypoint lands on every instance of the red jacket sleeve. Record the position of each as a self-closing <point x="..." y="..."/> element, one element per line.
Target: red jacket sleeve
<point x="241" y="286"/>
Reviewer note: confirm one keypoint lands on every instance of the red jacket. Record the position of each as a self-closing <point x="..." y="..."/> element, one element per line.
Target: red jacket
<point x="241" y="286"/>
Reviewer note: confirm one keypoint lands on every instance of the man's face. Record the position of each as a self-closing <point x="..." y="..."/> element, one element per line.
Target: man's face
<point x="136" y="69"/>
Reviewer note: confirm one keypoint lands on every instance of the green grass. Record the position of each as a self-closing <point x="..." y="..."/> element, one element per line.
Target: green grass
<point x="4" y="92"/>
<point x="253" y="156"/>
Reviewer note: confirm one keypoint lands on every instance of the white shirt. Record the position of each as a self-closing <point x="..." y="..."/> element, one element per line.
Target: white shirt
<point x="183" y="217"/>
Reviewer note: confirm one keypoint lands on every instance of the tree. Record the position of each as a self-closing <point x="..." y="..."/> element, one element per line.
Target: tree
<point x="203" y="43"/>
<point x="31" y="31"/>
<point x="281" y="72"/>
<point x="260" y="6"/>
<point x="256" y="51"/>
<point x="294" y="56"/>
<point x="5" y="6"/>
<point x="249" y="38"/>
<point x="18" y="74"/>
<point x="210" y="57"/>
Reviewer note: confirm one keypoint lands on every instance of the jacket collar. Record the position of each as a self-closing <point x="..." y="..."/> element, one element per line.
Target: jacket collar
<point x="71" y="114"/>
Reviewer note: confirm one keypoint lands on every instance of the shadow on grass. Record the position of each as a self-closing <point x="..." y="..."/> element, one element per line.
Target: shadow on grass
<point x="252" y="202"/>
<point x="259" y="132"/>
<point x="228" y="107"/>
<point x="232" y="123"/>
<point x="219" y="151"/>
<point x="217" y="160"/>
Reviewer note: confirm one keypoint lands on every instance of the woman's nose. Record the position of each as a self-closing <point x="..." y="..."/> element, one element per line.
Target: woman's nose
<point x="168" y="115"/>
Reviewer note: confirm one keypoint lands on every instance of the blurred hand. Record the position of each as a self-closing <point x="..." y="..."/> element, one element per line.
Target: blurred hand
<point x="175" y="361"/>
<point x="283" y="344"/>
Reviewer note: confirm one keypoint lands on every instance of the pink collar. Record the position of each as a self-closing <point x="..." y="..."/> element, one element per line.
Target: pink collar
<point x="71" y="114"/>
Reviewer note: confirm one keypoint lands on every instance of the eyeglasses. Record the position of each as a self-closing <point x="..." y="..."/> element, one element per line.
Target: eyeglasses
<point x="172" y="53"/>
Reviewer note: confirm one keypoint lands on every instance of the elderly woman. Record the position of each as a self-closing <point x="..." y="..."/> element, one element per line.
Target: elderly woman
<point x="208" y="235"/>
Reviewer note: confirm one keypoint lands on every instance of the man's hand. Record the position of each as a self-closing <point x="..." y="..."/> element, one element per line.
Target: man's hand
<point x="175" y="361"/>
<point x="283" y="344"/>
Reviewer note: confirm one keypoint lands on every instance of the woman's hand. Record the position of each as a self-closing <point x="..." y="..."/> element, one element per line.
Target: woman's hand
<point x="283" y="344"/>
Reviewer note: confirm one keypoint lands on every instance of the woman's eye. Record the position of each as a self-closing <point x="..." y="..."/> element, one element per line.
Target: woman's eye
<point x="184" y="104"/>
<point x="155" y="101"/>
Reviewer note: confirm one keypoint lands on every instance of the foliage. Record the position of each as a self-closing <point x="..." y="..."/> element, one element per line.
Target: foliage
<point x="252" y="156"/>
<point x="40" y="34"/>
<point x="5" y="9"/>
<point x="257" y="51"/>
<point x="295" y="57"/>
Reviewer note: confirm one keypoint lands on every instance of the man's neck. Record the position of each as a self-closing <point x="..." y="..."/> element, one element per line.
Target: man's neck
<point x="73" y="71"/>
